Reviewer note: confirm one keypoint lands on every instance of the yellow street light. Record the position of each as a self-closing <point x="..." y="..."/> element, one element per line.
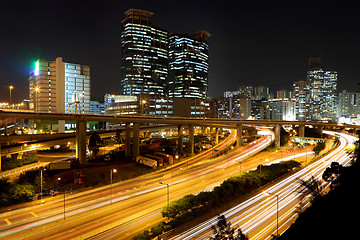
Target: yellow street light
<point x="114" y="170"/>
<point x="11" y="88"/>
<point x="168" y="195"/>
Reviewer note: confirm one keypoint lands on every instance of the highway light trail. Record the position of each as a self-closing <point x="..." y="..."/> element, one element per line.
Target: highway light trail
<point x="138" y="200"/>
<point x="257" y="216"/>
<point x="83" y="202"/>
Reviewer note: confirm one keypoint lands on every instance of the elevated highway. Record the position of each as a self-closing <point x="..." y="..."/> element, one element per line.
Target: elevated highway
<point x="132" y="123"/>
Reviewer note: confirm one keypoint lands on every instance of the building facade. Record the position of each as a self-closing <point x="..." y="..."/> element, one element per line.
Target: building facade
<point x="261" y="92"/>
<point x="97" y="107"/>
<point x="347" y="105"/>
<point x="282" y="108"/>
<point x="144" y="56"/>
<point x="301" y="93"/>
<point x="121" y="104"/>
<point x="55" y="86"/>
<point x="188" y="65"/>
<point x="323" y="85"/>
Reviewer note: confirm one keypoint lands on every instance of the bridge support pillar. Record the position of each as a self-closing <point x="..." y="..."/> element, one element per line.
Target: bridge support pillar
<point x="81" y="141"/>
<point x="277" y="135"/>
<point x="191" y="139"/>
<point x="239" y="130"/>
<point x="127" y="139"/>
<point x="203" y="129"/>
<point x="216" y="136"/>
<point x="136" y="140"/>
<point x="61" y="126"/>
<point x="180" y="139"/>
<point x="207" y="130"/>
<point x="321" y="129"/>
<point x="301" y="130"/>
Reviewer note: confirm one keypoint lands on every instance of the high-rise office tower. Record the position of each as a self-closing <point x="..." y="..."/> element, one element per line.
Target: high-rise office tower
<point x="284" y="93"/>
<point x="58" y="87"/>
<point x="261" y="92"/>
<point x="301" y="93"/>
<point x="282" y="108"/>
<point x="346" y="104"/>
<point x="144" y="55"/>
<point x="188" y="65"/>
<point x="323" y="97"/>
<point x="55" y="86"/>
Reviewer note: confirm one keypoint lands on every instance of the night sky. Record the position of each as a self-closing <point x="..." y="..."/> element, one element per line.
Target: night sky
<point x="252" y="43"/>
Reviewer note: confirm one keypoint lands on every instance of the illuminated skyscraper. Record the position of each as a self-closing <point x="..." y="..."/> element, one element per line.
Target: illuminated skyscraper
<point x="323" y="97"/>
<point x="261" y="92"/>
<point x="282" y="108"/>
<point x="57" y="87"/>
<point x="346" y="101"/>
<point x="188" y="65"/>
<point x="144" y="55"/>
<point x="301" y="93"/>
<point x="53" y="85"/>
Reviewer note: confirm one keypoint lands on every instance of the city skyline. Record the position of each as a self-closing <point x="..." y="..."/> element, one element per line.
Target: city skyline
<point x="249" y="45"/>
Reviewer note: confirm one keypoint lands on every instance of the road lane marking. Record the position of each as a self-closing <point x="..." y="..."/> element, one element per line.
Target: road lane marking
<point x="34" y="214"/>
<point x="7" y="221"/>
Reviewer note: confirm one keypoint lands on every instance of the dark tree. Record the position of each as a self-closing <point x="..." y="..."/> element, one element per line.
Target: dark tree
<point x="284" y="136"/>
<point x="118" y="139"/>
<point x="332" y="174"/>
<point x="223" y="231"/>
<point x="311" y="186"/>
<point x="94" y="142"/>
<point x="318" y="147"/>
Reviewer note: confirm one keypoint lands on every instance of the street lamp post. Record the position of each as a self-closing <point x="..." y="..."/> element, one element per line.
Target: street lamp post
<point x="59" y="179"/>
<point x="277" y="212"/>
<point x="111" y="180"/>
<point x="167" y="186"/>
<point x="10" y="88"/>
<point x="41" y="182"/>
<point x="202" y="104"/>
<point x="143" y="102"/>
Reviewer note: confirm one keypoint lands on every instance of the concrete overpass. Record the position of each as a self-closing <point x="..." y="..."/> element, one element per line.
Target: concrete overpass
<point x="181" y="122"/>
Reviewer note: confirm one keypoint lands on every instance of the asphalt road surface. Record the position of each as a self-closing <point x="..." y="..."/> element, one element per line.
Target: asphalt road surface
<point x="136" y="203"/>
<point x="90" y="213"/>
<point x="257" y="216"/>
